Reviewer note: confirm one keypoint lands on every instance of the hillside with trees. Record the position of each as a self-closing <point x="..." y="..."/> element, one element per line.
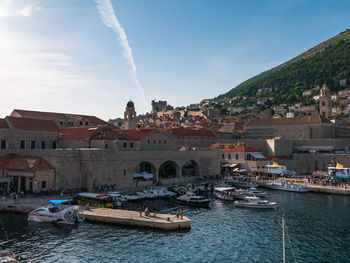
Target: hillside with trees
<point x="327" y="62"/>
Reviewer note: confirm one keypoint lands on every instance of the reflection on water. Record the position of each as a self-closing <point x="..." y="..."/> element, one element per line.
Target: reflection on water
<point x="318" y="225"/>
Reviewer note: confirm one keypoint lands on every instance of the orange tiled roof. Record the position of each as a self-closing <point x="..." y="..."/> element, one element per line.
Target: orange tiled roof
<point x="3" y="124"/>
<point x="55" y="116"/>
<point x="230" y="147"/>
<point x="192" y="132"/>
<point x="24" y="163"/>
<point x="134" y="134"/>
<point x="312" y="119"/>
<point x="32" y="124"/>
<point x="79" y="132"/>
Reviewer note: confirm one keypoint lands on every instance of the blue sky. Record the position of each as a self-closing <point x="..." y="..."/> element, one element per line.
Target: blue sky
<point x="60" y="55"/>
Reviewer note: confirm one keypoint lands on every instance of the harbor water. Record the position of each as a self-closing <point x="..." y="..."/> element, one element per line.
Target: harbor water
<point x="318" y="230"/>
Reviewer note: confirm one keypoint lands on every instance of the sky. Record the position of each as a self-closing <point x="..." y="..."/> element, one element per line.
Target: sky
<point x="91" y="57"/>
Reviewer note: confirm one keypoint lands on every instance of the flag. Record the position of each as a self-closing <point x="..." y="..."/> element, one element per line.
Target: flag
<point x="339" y="165"/>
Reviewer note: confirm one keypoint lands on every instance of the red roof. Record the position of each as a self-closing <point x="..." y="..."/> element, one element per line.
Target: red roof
<point x="79" y="132"/>
<point x="230" y="147"/>
<point x="24" y="163"/>
<point x="3" y="124"/>
<point x="192" y="132"/>
<point x="55" y="116"/>
<point x="32" y="124"/>
<point x="134" y="134"/>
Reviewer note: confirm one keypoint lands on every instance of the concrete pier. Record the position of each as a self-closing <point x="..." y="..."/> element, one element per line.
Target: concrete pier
<point x="328" y="189"/>
<point x="133" y="218"/>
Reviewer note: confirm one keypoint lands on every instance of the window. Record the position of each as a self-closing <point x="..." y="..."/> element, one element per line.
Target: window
<point x="229" y="156"/>
<point x="81" y="123"/>
<point x="160" y="141"/>
<point x="3" y="144"/>
<point x="288" y="133"/>
<point x="106" y="146"/>
<point x="87" y="123"/>
<point x="43" y="184"/>
<point x="131" y="145"/>
<point x="300" y="133"/>
<point x="23" y="144"/>
<point x="148" y="141"/>
<point x="223" y="156"/>
<point x="164" y="141"/>
<point x="124" y="171"/>
<point x="154" y="141"/>
<point x="236" y="156"/>
<point x="124" y="144"/>
<point x="61" y="122"/>
<point x="323" y="103"/>
<point x="54" y="145"/>
<point x="32" y="145"/>
<point x="43" y="144"/>
<point x="249" y="157"/>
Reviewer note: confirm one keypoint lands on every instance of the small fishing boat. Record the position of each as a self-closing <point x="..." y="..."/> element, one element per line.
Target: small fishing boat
<point x="56" y="214"/>
<point x="193" y="200"/>
<point x="146" y="194"/>
<point x="133" y="197"/>
<point x="255" y="202"/>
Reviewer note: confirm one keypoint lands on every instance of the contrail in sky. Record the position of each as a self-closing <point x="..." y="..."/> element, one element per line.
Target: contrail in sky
<point x="106" y="11"/>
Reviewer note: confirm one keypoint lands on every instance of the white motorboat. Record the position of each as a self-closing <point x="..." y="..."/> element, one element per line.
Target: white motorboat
<point x="193" y="200"/>
<point x="146" y="194"/>
<point x="289" y="184"/>
<point x="162" y="192"/>
<point x="229" y="193"/>
<point x="255" y="192"/>
<point x="57" y="214"/>
<point x="255" y="202"/>
<point x="133" y="197"/>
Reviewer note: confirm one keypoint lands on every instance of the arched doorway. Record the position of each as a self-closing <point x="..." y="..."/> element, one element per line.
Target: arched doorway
<point x="168" y="170"/>
<point x="144" y="171"/>
<point x="189" y="169"/>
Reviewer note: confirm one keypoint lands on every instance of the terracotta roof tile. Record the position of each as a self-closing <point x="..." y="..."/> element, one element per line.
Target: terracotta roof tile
<point x="24" y="163"/>
<point x="134" y="134"/>
<point x="79" y="132"/>
<point x="55" y="116"/>
<point x="32" y="124"/>
<point x="230" y="147"/>
<point x="3" y="124"/>
<point x="312" y="119"/>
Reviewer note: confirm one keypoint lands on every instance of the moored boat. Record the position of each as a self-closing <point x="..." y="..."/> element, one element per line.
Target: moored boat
<point x="289" y="184"/>
<point x="255" y="192"/>
<point x="255" y="202"/>
<point x="193" y="200"/>
<point x="56" y="214"/>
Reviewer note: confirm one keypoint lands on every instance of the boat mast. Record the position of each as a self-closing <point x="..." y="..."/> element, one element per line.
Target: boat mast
<point x="284" y="249"/>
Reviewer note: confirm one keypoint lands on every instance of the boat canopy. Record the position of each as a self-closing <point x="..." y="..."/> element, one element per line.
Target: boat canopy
<point x="223" y="189"/>
<point x="143" y="175"/>
<point x="257" y="155"/>
<point x="56" y="202"/>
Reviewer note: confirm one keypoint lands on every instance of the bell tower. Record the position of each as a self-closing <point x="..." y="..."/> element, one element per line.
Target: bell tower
<point x="129" y="116"/>
<point x="325" y="102"/>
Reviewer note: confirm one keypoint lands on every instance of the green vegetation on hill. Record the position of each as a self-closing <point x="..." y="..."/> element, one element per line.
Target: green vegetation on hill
<point x="327" y="62"/>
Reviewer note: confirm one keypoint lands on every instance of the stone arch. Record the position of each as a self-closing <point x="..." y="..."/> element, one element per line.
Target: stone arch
<point x="146" y="166"/>
<point x="190" y="169"/>
<point x="169" y="170"/>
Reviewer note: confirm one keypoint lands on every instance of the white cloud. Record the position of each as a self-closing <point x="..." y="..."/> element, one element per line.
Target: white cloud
<point x="7" y="10"/>
<point x="26" y="11"/>
<point x="109" y="18"/>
